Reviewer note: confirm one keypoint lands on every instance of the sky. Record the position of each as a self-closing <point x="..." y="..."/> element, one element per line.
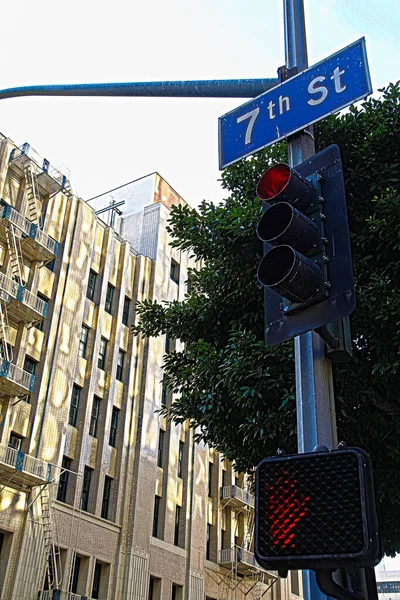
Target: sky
<point x="106" y="142"/>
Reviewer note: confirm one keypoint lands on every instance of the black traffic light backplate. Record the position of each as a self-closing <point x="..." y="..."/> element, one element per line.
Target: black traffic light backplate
<point x="282" y="324"/>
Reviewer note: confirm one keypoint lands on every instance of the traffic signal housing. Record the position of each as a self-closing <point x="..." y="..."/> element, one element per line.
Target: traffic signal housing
<point x="316" y="511"/>
<point x="306" y="270"/>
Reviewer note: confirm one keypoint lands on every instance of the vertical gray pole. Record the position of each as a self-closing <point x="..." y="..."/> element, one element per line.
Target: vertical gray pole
<point x="316" y="420"/>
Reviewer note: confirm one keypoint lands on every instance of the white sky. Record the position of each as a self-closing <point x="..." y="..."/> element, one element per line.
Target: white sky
<point x="108" y="142"/>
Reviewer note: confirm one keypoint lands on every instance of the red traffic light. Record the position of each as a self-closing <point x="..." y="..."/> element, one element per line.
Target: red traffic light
<point x="281" y="183"/>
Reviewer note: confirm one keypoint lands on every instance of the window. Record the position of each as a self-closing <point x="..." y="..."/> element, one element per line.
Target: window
<point x="73" y="409"/>
<point x="15" y="441"/>
<point x="120" y="364"/>
<point x="208" y="541"/>
<point x="167" y="343"/>
<point x="176" y="592"/>
<point x="114" y="425"/>
<point x="30" y="365"/>
<point x="160" y="448"/>
<point x="83" y="341"/>
<point x="222" y="539"/>
<point x="109" y="298"/>
<point x="87" y="476"/>
<point x="96" y="581"/>
<point x="156" y="513"/>
<point x="125" y="312"/>
<point x="41" y="323"/>
<point x="63" y="481"/>
<point x="174" y="271"/>
<point x="94" y="418"/>
<point x="164" y="393"/>
<point x="294" y="580"/>
<point x="155" y="589"/>
<point x="180" y="458"/>
<point x="177" y="525"/>
<point x="75" y="574"/>
<point x="210" y="474"/>
<point x="106" y="497"/>
<point x="91" y="285"/>
<point x="102" y="353"/>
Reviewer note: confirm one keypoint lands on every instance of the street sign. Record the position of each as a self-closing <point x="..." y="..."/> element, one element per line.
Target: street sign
<point x="321" y="90"/>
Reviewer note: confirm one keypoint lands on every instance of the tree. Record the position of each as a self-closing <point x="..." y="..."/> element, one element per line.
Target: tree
<point x="239" y="394"/>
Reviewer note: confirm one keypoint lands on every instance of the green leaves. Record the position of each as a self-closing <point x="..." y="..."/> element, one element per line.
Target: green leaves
<point x="238" y="395"/>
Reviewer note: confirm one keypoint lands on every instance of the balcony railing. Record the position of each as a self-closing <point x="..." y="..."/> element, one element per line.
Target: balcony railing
<point x="31" y="470"/>
<point x="37" y="306"/>
<point x="239" y="495"/>
<point x="21" y="382"/>
<point x="50" y="178"/>
<point x="237" y="555"/>
<point x="60" y="595"/>
<point x="30" y="230"/>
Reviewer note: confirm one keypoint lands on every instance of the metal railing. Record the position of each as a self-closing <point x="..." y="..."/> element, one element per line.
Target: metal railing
<point x="233" y="491"/>
<point x="18" y="292"/>
<point x="60" y="595"/>
<point x="237" y="554"/>
<point x="35" y="303"/>
<point x="10" y="287"/>
<point x="61" y="176"/>
<point x="28" y="228"/>
<point x="13" y="373"/>
<point x="24" y="462"/>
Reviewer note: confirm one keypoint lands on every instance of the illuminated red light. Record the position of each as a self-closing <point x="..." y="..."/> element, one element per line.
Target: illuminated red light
<point x="273" y="181"/>
<point x="286" y="508"/>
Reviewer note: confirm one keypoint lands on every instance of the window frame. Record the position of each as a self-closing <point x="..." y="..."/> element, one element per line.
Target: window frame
<point x="33" y="365"/>
<point x="105" y="503"/>
<point x="73" y="408"/>
<point x="175" y="271"/>
<point x="177" y="524"/>
<point x="15" y="436"/>
<point x="101" y="361"/>
<point x="113" y="426"/>
<point x="96" y="580"/>
<point x="83" y="341"/>
<point x="91" y="286"/>
<point x="125" y="311"/>
<point x="160" y="448"/>
<point x="109" y="298"/>
<point x="63" y="480"/>
<point x="120" y="365"/>
<point x="94" y="416"/>
<point x="87" y="479"/>
<point x="156" y="515"/>
<point x="181" y="450"/>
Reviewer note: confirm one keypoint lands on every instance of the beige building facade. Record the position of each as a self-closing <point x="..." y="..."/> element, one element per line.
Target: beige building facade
<point x="100" y="497"/>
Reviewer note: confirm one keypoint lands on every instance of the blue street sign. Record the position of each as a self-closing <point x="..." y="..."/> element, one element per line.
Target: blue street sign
<point x="324" y="88"/>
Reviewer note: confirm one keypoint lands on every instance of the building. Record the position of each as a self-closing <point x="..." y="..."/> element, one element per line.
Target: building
<point x="99" y="496"/>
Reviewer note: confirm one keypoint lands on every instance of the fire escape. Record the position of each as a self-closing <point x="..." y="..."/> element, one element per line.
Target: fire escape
<point x="243" y="571"/>
<point x="24" y="239"/>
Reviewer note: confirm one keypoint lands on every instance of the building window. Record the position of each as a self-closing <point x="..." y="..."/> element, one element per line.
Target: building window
<point x="109" y="298"/>
<point x="208" y="541"/>
<point x="167" y="343"/>
<point x="15" y="441"/>
<point x="164" y="393"/>
<point x="176" y="592"/>
<point x="75" y="574"/>
<point x="91" y="285"/>
<point x="102" y="354"/>
<point x="30" y="365"/>
<point x="156" y="514"/>
<point x="73" y="409"/>
<point x="94" y="418"/>
<point x="106" y="497"/>
<point x="120" y="364"/>
<point x="87" y="476"/>
<point x="174" y="271"/>
<point x="83" y="340"/>
<point x="45" y="299"/>
<point x="114" y="425"/>
<point x="154" y="589"/>
<point x="210" y="476"/>
<point x="96" y="581"/>
<point x="180" y="458"/>
<point x="177" y="525"/>
<point x="63" y="481"/>
<point x="294" y="580"/>
<point x="160" y="448"/>
<point x="223" y="478"/>
<point x="222" y="539"/>
<point x="125" y="312"/>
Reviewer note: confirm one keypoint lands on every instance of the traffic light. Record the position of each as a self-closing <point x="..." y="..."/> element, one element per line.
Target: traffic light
<point x="316" y="511"/>
<point x="306" y="270"/>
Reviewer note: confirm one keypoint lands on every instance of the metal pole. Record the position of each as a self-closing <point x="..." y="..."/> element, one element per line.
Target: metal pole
<point x="316" y="420"/>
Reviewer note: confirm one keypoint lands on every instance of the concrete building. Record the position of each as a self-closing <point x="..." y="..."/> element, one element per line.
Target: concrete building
<point x="99" y="496"/>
